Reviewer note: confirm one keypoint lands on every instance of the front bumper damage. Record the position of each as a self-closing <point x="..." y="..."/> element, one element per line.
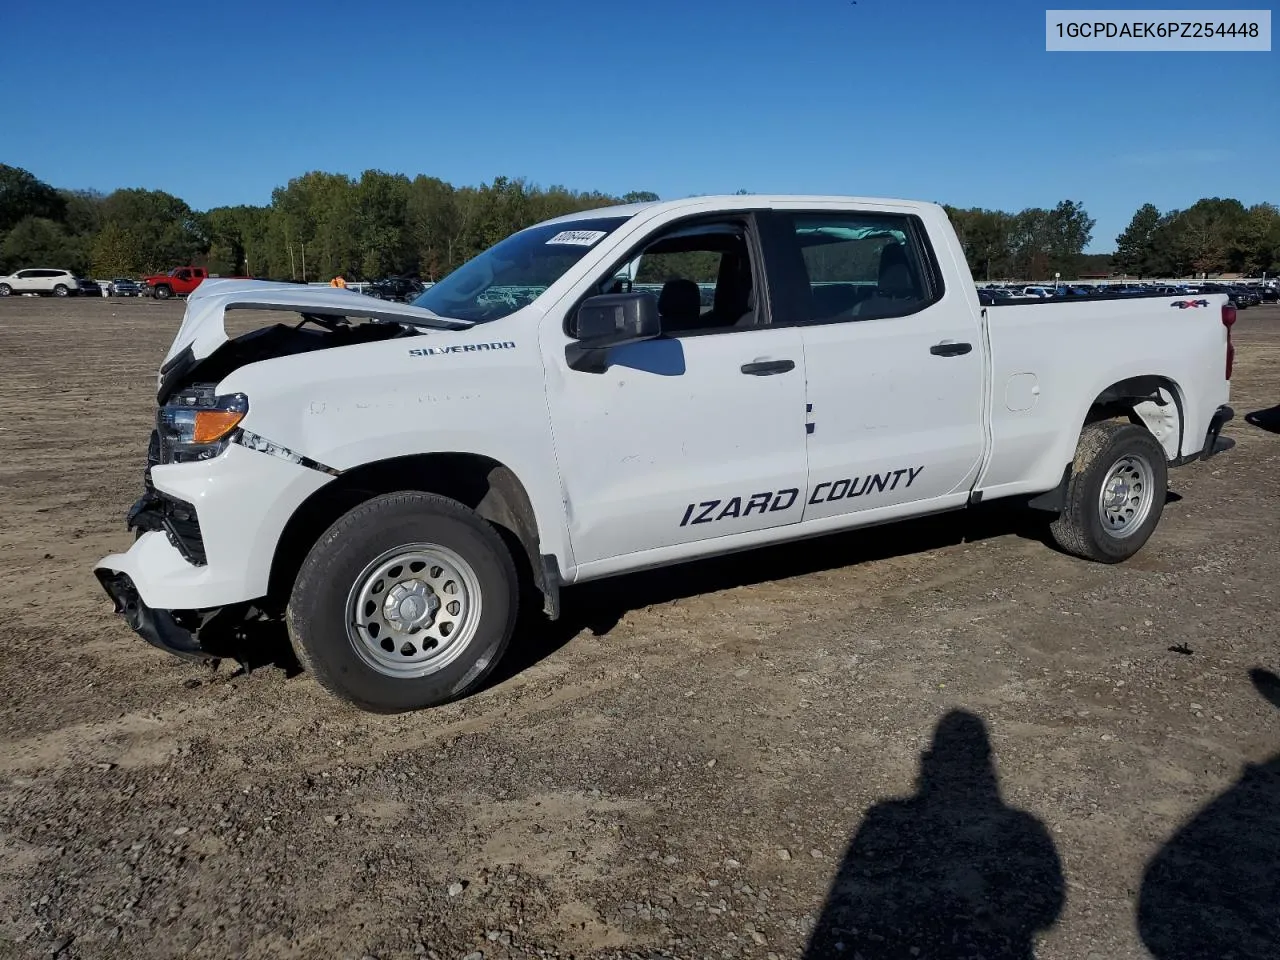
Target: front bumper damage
<point x="173" y="631"/>
<point x="207" y="533"/>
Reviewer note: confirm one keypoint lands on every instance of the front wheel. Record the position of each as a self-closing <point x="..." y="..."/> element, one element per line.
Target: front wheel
<point x="407" y="601"/>
<point x="1115" y="494"/>
<point x="163" y="293"/>
<point x="5" y="290"/>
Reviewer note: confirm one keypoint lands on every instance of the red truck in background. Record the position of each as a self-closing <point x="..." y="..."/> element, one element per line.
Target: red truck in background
<point x="178" y="282"/>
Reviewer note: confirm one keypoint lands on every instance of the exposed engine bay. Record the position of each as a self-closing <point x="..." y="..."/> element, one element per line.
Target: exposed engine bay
<point x="276" y="340"/>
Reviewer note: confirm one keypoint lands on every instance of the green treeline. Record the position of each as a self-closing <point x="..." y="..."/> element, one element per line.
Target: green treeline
<point x="322" y="225"/>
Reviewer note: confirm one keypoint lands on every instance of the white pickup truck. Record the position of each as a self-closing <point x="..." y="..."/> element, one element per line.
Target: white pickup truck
<point x="392" y="478"/>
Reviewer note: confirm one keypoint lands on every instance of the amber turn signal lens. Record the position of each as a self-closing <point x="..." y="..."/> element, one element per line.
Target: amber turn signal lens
<point x="213" y="425"/>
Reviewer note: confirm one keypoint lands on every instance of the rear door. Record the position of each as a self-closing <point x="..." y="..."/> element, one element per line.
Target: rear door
<point x="893" y="360"/>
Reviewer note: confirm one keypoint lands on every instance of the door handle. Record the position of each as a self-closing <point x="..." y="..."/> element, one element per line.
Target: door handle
<point x="767" y="368"/>
<point x="948" y="348"/>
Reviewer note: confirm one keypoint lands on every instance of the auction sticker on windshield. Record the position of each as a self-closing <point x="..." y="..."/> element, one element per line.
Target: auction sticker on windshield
<point x="576" y="238"/>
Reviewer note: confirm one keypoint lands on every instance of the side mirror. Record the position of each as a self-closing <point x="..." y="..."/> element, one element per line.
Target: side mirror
<point x="610" y="320"/>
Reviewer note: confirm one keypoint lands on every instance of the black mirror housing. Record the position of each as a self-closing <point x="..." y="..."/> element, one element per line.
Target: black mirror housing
<point x="610" y="315"/>
<point x="611" y="320"/>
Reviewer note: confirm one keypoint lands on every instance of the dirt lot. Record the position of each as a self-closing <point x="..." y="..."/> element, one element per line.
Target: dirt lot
<point x="709" y="762"/>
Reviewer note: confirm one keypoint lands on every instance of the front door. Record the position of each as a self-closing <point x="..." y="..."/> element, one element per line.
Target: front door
<point x="695" y="436"/>
<point x="894" y="364"/>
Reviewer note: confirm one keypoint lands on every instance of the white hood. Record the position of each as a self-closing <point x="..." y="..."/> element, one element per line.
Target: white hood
<point x="203" y="329"/>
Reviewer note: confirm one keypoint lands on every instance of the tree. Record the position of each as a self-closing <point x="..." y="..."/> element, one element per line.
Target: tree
<point x="40" y="242"/>
<point x="116" y="253"/>
<point x="639" y="196"/>
<point x="1070" y="230"/>
<point x="381" y="202"/>
<point x="83" y="211"/>
<point x="168" y="233"/>
<point x="1258" y="241"/>
<point x="237" y="240"/>
<point x="1135" y="247"/>
<point x="1202" y="234"/>
<point x="22" y="196"/>
<point x="431" y="220"/>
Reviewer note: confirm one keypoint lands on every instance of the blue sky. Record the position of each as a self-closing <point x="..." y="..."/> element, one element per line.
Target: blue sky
<point x="946" y="101"/>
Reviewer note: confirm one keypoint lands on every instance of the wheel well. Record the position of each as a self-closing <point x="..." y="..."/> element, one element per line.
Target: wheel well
<point x="483" y="484"/>
<point x="1151" y="401"/>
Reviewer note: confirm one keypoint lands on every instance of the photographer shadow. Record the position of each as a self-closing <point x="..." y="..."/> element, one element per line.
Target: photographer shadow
<point x="1213" y="889"/>
<point x="949" y="873"/>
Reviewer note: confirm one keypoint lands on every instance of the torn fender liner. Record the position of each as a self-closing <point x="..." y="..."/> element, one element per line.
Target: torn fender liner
<point x="160" y="628"/>
<point x="203" y="329"/>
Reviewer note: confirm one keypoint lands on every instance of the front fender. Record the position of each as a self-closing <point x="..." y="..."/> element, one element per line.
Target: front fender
<point x="357" y="405"/>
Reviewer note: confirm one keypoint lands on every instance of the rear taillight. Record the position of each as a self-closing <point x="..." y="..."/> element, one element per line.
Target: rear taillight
<point x="1228" y="321"/>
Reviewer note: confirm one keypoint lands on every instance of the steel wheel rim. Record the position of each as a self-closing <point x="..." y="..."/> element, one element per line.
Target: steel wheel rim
<point x="1128" y="491"/>
<point x="413" y="610"/>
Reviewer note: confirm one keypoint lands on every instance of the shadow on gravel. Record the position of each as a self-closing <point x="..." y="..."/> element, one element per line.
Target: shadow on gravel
<point x="598" y="606"/>
<point x="1268" y="419"/>
<point x="253" y="644"/>
<point x="1213" y="890"/>
<point x="949" y="873"/>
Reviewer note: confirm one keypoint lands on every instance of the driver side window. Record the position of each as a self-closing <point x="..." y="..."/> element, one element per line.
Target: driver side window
<point x="701" y="275"/>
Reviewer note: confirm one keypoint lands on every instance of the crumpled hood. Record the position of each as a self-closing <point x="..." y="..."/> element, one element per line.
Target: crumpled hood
<point x="203" y="328"/>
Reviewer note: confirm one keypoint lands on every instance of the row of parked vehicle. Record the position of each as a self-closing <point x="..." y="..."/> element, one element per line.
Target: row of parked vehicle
<point x="48" y="282"/>
<point x="1241" y="294"/>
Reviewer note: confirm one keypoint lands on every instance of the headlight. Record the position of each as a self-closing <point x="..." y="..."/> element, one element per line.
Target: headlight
<point x="196" y="424"/>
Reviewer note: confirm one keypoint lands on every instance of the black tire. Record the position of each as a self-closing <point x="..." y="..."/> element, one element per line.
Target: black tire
<point x="5" y="290"/>
<point x="163" y="292"/>
<point x="1079" y="528"/>
<point x="60" y="290"/>
<point x="318" y="614"/>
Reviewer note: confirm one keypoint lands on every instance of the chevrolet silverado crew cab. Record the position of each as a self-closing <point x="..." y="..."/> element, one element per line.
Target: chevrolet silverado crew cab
<point x="627" y="388"/>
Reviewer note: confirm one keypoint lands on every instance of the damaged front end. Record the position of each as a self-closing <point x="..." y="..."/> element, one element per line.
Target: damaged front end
<point x="174" y="631"/>
<point x="209" y="482"/>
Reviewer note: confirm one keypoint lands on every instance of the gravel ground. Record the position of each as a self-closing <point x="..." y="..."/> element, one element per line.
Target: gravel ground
<point x="938" y="739"/>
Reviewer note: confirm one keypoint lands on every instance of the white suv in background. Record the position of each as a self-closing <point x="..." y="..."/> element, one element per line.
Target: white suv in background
<point x="56" y="282"/>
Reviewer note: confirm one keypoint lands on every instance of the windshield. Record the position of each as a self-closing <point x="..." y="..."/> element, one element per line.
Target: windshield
<point x="516" y="271"/>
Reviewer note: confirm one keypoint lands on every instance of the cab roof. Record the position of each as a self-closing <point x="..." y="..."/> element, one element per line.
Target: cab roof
<point x="735" y="201"/>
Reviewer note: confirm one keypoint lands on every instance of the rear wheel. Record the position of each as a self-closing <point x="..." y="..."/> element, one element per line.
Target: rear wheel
<point x="407" y="601"/>
<point x="60" y="290"/>
<point x="1115" y="495"/>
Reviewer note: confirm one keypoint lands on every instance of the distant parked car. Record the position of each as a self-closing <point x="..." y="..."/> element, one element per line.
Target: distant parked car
<point x="1247" y="295"/>
<point x="124" y="287"/>
<point x="90" y="287"/>
<point x="1235" y="295"/>
<point x="1270" y="293"/>
<point x="400" y="289"/>
<point x="57" y="283"/>
<point x="1042" y="293"/>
